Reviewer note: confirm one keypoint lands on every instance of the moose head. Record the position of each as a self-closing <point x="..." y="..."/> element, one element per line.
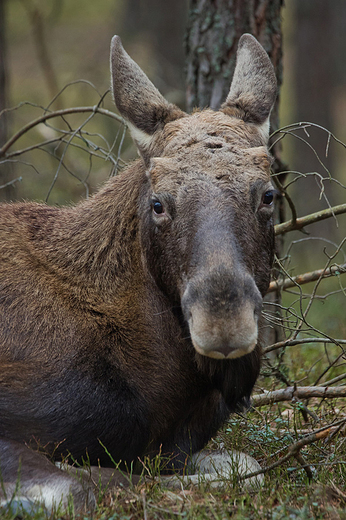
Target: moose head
<point x="206" y="222"/>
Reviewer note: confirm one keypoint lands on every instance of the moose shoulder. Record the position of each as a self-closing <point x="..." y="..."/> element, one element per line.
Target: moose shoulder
<point x="131" y="320"/>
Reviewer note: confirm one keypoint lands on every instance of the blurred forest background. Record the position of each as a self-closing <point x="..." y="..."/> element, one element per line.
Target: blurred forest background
<point x="55" y="55"/>
<point x="48" y="47"/>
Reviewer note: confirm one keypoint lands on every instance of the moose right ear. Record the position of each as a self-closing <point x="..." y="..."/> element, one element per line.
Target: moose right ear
<point x="254" y="86"/>
<point x="139" y="102"/>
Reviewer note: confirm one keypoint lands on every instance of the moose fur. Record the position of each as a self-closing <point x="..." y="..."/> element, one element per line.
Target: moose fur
<point x="131" y="321"/>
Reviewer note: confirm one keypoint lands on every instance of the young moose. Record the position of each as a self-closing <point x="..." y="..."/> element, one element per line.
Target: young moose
<point x="131" y="320"/>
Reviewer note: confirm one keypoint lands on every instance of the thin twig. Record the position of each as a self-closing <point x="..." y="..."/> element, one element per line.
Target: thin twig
<point x="335" y="379"/>
<point x="295" y="448"/>
<point x="312" y="276"/>
<point x="304" y="125"/>
<point x="56" y="113"/>
<point x="10" y="183"/>
<point x="301" y="222"/>
<point x="301" y="341"/>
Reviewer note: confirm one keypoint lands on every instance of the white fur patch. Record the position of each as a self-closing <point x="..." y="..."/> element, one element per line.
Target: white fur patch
<point x="264" y="130"/>
<point x="142" y="139"/>
<point x="51" y="495"/>
<point x="218" y="469"/>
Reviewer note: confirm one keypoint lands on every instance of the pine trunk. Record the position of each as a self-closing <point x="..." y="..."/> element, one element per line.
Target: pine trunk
<point x="213" y="31"/>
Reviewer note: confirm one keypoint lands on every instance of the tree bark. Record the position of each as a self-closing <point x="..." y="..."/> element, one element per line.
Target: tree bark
<point x="213" y="31"/>
<point x="298" y="392"/>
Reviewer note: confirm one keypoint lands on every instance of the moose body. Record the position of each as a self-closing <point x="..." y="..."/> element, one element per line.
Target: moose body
<point x="131" y="320"/>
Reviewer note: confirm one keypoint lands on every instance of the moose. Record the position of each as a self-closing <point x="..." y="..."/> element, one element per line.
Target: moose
<point x="131" y="322"/>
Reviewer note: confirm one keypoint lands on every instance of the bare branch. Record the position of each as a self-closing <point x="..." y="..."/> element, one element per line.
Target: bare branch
<point x="335" y="379"/>
<point x="57" y="113"/>
<point x="312" y="276"/>
<point x="301" y="341"/>
<point x="301" y="222"/>
<point x="10" y="183"/>
<point x="299" y="392"/>
<point x="294" y="449"/>
<point x="306" y="124"/>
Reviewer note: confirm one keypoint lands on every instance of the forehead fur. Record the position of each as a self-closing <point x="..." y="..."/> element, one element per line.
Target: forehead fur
<point x="212" y="144"/>
<point x="208" y="123"/>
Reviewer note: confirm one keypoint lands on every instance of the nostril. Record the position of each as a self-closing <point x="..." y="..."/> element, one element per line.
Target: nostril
<point x="224" y="350"/>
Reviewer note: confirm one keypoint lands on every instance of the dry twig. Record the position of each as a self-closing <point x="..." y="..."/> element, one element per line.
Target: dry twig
<point x="294" y="449"/>
<point x="57" y="113"/>
<point x="312" y="276"/>
<point x="302" y="341"/>
<point x="298" y="392"/>
<point x="301" y="222"/>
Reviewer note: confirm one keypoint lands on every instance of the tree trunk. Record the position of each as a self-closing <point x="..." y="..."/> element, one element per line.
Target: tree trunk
<point x="320" y="78"/>
<point x="160" y="26"/>
<point x="213" y="31"/>
<point x="6" y="191"/>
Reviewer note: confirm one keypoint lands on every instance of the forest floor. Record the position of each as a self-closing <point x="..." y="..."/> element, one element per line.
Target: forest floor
<point x="308" y="483"/>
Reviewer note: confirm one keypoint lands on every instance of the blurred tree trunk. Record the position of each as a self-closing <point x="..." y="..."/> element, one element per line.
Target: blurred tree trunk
<point x="39" y="33"/>
<point x="213" y="31"/>
<point x="3" y="74"/>
<point x="5" y="173"/>
<point x="159" y="28"/>
<point x="320" y="47"/>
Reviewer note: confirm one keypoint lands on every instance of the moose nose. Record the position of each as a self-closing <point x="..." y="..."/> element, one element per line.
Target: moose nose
<point x="224" y="337"/>
<point x="223" y="322"/>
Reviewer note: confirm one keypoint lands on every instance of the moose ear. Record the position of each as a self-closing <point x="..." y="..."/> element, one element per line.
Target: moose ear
<point x="254" y="86"/>
<point x="140" y="103"/>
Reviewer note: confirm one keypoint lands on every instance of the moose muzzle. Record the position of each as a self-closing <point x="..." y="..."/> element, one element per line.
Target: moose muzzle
<point x="222" y="311"/>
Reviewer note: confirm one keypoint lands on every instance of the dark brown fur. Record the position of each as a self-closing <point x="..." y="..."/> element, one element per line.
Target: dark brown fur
<point x="98" y="301"/>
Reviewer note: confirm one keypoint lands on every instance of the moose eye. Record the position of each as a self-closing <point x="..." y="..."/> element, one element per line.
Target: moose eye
<point x="158" y="208"/>
<point x="268" y="198"/>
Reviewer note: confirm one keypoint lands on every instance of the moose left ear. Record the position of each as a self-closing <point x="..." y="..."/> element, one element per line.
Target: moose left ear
<point x="139" y="102"/>
<point x="254" y="86"/>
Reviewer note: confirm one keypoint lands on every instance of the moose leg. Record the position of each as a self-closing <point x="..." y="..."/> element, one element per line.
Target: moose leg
<point x="28" y="478"/>
<point x="101" y="479"/>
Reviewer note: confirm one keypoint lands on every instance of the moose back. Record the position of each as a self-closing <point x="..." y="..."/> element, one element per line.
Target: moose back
<point x="131" y="321"/>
